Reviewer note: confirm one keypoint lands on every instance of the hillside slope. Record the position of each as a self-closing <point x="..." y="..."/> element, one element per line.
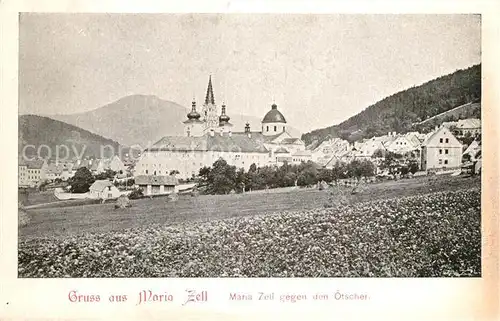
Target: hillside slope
<point x="142" y="119"/>
<point x="399" y="111"/>
<point x="47" y="135"/>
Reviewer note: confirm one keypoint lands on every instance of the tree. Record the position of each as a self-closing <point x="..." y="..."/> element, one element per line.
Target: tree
<point x="366" y="168"/>
<point x="107" y="174"/>
<point x="379" y="153"/>
<point x="306" y="178"/>
<point x="413" y="166"/>
<point x="174" y="172"/>
<point x="240" y="180"/>
<point x="289" y="179"/>
<point x="204" y="174"/>
<point x="222" y="178"/>
<point x="136" y="193"/>
<point x="81" y="181"/>
<point x="325" y="175"/>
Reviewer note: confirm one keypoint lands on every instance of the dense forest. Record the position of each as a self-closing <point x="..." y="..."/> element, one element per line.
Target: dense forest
<point x="400" y="111"/>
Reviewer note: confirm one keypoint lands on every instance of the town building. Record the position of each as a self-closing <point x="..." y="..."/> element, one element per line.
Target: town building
<point x="405" y="143"/>
<point x="327" y="149"/>
<point x="103" y="189"/>
<point x="22" y="174"/>
<point x="156" y="185"/>
<point x="54" y="172"/>
<point x="470" y="126"/>
<point x="206" y="140"/>
<point x="441" y="150"/>
<point x="472" y="152"/>
<point x="31" y="172"/>
<point x="98" y="166"/>
<point x="59" y="170"/>
<point x="368" y="147"/>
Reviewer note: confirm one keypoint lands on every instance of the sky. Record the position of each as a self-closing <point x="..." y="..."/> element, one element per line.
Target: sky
<point x="318" y="69"/>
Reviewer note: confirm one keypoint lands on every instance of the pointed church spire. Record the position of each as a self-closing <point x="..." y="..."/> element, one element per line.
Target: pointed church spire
<point x="209" y="98"/>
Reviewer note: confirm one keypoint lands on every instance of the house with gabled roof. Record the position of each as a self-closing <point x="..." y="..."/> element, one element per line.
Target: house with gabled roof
<point x="470" y="126"/>
<point x="405" y="143"/>
<point x="103" y="189"/>
<point x="441" y="150"/>
<point x="329" y="148"/>
<point x="156" y="185"/>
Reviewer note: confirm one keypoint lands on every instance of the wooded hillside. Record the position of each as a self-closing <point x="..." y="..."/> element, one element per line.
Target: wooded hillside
<point x="400" y="111"/>
<point x="40" y="131"/>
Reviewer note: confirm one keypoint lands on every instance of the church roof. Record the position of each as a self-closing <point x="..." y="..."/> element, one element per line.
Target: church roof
<point x="209" y="98"/>
<point x="180" y="143"/>
<point x="290" y="141"/>
<point x="274" y="116"/>
<point x="281" y="150"/>
<point x="258" y="136"/>
<point x="235" y="142"/>
<point x="193" y="120"/>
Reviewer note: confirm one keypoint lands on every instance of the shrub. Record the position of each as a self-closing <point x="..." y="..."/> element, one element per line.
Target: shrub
<point x="136" y="193"/>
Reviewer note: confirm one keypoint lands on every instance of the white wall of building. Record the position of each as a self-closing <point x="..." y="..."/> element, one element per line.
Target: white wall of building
<point x="188" y="163"/>
<point x="269" y="129"/>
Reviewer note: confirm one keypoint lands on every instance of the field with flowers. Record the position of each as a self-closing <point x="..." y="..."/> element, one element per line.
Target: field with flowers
<point x="433" y="233"/>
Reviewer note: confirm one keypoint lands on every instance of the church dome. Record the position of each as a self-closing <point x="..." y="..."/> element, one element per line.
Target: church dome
<point x="193" y="114"/>
<point x="223" y="118"/>
<point x="274" y="116"/>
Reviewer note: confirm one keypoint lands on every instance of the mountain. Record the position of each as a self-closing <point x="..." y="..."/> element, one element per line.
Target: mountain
<point x="399" y="112"/>
<point x="142" y="120"/>
<point x="51" y="136"/>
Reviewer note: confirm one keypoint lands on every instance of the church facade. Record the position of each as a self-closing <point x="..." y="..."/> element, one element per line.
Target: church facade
<point x="209" y="136"/>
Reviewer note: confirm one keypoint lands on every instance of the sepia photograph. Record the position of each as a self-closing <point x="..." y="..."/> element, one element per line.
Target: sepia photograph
<point x="249" y="145"/>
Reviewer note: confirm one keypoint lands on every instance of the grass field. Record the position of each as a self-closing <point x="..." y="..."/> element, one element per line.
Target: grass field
<point x="69" y="221"/>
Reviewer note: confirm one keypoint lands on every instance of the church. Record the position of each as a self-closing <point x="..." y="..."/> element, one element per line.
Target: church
<point x="209" y="136"/>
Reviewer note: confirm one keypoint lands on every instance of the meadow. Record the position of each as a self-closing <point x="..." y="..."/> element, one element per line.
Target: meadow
<point x="411" y="228"/>
<point x="62" y="221"/>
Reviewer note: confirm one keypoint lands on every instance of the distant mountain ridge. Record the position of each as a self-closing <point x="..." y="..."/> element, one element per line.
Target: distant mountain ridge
<point x="143" y="120"/>
<point x="136" y="119"/>
<point x="401" y="110"/>
<point x="45" y="137"/>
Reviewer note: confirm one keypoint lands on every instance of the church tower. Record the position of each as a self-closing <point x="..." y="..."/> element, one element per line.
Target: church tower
<point x="209" y="112"/>
<point x="224" y="125"/>
<point x="193" y="126"/>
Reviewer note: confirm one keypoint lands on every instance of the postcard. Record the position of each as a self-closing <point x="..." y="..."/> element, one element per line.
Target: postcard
<point x="239" y="160"/>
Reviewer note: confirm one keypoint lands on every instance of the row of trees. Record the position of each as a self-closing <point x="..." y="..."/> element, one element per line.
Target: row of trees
<point x="222" y="178"/>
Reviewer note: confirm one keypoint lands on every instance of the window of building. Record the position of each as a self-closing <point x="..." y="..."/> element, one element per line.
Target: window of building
<point x="440" y="140"/>
<point x="146" y="171"/>
<point x="275" y="128"/>
<point x="440" y="161"/>
<point x="440" y="151"/>
<point x="445" y="161"/>
<point x="447" y="140"/>
<point x="267" y="128"/>
<point x="446" y="151"/>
